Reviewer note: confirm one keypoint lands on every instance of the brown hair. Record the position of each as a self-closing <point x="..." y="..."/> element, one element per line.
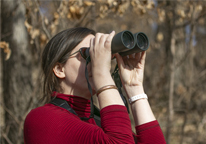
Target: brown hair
<point x="58" y="50"/>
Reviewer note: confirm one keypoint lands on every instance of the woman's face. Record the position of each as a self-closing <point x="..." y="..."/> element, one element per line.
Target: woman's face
<point x="75" y="82"/>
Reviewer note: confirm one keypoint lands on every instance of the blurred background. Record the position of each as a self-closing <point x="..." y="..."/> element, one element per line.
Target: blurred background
<point x="175" y="73"/>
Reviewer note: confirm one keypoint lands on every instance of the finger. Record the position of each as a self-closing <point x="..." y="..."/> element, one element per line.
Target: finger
<point x="97" y="38"/>
<point x="109" y="39"/>
<point x="103" y="39"/>
<point x="130" y="61"/>
<point x="131" y="55"/>
<point x="120" y="61"/>
<point x="113" y="56"/>
<point x="143" y="57"/>
<point x="138" y="56"/>
<point x="125" y="60"/>
<point x="91" y="49"/>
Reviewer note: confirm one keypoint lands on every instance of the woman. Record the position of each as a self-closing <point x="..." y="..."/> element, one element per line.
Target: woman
<point x="63" y="66"/>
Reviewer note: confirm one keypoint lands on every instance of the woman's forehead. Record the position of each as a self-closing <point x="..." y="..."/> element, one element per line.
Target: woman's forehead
<point x="84" y="43"/>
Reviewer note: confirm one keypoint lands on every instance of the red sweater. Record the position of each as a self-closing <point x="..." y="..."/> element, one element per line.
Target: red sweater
<point x="51" y="124"/>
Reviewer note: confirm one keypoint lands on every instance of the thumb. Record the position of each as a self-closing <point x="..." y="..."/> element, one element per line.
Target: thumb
<point x="120" y="61"/>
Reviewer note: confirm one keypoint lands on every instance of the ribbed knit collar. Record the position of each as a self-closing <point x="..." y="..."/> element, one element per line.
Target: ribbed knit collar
<point x="79" y="104"/>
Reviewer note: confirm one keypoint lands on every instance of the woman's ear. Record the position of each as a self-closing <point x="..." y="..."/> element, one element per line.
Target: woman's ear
<point x="59" y="70"/>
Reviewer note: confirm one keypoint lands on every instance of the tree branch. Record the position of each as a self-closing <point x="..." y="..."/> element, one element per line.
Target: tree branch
<point x="190" y="21"/>
<point x="83" y="18"/>
<point x="12" y="114"/>
<point x="6" y="138"/>
<point x="43" y="24"/>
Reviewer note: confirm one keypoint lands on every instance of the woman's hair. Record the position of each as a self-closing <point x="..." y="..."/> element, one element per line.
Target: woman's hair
<point x="58" y="49"/>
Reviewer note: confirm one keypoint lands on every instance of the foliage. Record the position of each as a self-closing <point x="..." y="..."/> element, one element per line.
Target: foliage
<point x="4" y="45"/>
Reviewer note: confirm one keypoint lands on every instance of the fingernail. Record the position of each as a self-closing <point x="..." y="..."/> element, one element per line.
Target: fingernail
<point x="112" y="31"/>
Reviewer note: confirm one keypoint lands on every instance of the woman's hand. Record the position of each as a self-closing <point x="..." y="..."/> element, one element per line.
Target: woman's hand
<point x="132" y="72"/>
<point x="100" y="54"/>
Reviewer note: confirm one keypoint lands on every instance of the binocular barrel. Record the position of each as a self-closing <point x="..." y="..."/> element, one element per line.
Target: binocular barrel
<point x="126" y="43"/>
<point x="123" y="41"/>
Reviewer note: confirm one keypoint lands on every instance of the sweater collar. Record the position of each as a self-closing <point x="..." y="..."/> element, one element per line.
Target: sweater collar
<point x="79" y="104"/>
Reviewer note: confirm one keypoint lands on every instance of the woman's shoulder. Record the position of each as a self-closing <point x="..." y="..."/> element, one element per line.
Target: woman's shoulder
<point x="47" y="114"/>
<point x="46" y="124"/>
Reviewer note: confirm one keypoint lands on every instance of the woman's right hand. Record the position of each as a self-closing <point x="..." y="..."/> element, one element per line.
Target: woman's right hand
<point x="100" y="54"/>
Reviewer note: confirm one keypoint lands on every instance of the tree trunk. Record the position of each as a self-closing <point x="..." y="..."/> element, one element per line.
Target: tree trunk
<point x="170" y="50"/>
<point x="17" y="72"/>
<point x="1" y="97"/>
<point x="171" y="92"/>
<point x="190" y="76"/>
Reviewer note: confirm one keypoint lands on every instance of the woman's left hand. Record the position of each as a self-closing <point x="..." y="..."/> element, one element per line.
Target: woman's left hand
<point x="132" y="72"/>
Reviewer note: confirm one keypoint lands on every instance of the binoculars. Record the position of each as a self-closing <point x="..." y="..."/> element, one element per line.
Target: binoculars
<point x="126" y="43"/>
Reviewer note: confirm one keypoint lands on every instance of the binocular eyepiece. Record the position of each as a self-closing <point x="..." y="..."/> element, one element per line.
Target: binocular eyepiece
<point x="126" y="43"/>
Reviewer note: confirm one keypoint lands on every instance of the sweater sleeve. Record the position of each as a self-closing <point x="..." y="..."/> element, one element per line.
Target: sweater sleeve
<point x="150" y="133"/>
<point x="56" y="125"/>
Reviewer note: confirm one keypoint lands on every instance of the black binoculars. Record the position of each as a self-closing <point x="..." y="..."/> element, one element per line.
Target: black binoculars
<point x="126" y="43"/>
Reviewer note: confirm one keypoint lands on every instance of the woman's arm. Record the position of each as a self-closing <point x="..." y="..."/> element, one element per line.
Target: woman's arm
<point x="51" y="124"/>
<point x="132" y="73"/>
<point x="141" y="109"/>
<point x="100" y="53"/>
